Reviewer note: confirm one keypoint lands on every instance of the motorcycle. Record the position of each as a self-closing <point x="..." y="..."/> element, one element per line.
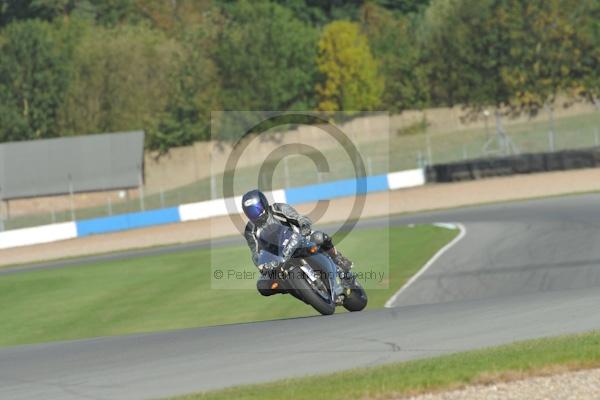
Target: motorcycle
<point x="306" y="272"/>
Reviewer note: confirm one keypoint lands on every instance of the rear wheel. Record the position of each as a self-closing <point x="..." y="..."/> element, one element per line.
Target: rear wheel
<point x="357" y="300"/>
<point x="305" y="291"/>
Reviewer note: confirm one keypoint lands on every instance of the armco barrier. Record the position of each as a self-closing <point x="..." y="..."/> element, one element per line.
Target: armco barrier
<point x="511" y="165"/>
<point x="207" y="209"/>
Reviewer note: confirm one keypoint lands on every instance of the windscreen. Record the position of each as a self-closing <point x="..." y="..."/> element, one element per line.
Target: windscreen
<point x="274" y="237"/>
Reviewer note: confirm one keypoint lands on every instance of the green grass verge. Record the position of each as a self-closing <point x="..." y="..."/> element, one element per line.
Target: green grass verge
<point x="391" y="381"/>
<point x="174" y="291"/>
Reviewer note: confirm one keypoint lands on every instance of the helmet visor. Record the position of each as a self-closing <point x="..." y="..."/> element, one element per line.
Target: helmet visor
<point x="253" y="209"/>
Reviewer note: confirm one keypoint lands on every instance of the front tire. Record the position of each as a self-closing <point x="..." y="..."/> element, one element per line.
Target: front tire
<point x="307" y="294"/>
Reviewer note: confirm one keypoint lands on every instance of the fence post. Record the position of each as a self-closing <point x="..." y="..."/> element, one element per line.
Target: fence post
<point x="213" y="187"/>
<point x="465" y="152"/>
<point x="429" y="153"/>
<point x="596" y="137"/>
<point x="551" y="141"/>
<point x="1" y="211"/>
<point x="141" y="189"/>
<point x="419" y="159"/>
<point x="71" y="199"/>
<point x="369" y="166"/>
<point x="109" y="205"/>
<point x="162" y="198"/>
<point x="486" y="115"/>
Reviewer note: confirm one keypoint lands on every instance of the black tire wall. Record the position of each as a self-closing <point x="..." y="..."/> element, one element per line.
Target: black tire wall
<point x="512" y="165"/>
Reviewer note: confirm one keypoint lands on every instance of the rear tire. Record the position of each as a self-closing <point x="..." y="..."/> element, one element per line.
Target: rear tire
<point x="306" y="293"/>
<point x="357" y="300"/>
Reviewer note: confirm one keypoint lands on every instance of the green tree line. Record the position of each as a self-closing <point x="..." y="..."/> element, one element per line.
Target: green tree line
<point x="71" y="67"/>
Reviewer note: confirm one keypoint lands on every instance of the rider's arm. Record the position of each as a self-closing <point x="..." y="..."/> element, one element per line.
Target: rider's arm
<point x="289" y="213"/>
<point x="252" y="243"/>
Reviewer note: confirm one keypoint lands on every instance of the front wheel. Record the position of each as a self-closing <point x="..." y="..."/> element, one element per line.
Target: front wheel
<point x="309" y="295"/>
<point x="357" y="300"/>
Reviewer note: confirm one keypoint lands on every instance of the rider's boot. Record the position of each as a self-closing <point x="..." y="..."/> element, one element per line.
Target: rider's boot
<point x="344" y="264"/>
<point x="340" y="260"/>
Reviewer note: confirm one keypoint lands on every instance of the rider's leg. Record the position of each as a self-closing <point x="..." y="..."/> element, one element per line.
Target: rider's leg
<point x="326" y="243"/>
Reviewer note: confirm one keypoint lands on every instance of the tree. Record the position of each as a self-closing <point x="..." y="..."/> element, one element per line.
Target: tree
<point x="321" y="12"/>
<point x="588" y="75"/>
<point x="393" y="41"/>
<point x="313" y="12"/>
<point x="121" y="81"/>
<point x="349" y="74"/>
<point x="173" y="16"/>
<point x="34" y="76"/>
<point x="265" y="58"/>
<point x="403" y="6"/>
<point x="195" y="94"/>
<point x="163" y="14"/>
<point x="549" y="50"/>
<point x="511" y="54"/>
<point x="468" y="45"/>
<point x="15" y="10"/>
<point x="466" y="48"/>
<point x="109" y="12"/>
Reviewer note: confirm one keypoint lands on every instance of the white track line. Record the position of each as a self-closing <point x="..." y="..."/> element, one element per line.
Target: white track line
<point x="463" y="232"/>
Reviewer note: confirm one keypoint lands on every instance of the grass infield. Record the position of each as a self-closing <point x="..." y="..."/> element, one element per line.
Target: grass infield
<point x="174" y="291"/>
<point x="505" y="363"/>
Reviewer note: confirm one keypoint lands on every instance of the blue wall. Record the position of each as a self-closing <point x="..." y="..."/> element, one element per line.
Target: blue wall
<point x="127" y="221"/>
<point x="305" y="194"/>
<point x="342" y="188"/>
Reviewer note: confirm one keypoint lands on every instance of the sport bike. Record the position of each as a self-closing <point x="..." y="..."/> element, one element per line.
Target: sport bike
<point x="303" y="270"/>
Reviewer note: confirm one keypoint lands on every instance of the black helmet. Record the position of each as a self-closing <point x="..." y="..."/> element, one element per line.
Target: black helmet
<point x="255" y="206"/>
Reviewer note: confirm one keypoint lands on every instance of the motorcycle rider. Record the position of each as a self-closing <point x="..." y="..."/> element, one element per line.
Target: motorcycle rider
<point x="261" y="215"/>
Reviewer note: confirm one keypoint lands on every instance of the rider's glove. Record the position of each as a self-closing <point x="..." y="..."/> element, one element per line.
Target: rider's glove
<point x="267" y="267"/>
<point x="304" y="225"/>
<point x="305" y="229"/>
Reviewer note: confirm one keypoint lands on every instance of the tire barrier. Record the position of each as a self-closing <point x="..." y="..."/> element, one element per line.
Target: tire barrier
<point x="513" y="165"/>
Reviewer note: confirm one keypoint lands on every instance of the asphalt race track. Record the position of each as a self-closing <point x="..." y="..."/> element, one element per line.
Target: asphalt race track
<point x="522" y="270"/>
